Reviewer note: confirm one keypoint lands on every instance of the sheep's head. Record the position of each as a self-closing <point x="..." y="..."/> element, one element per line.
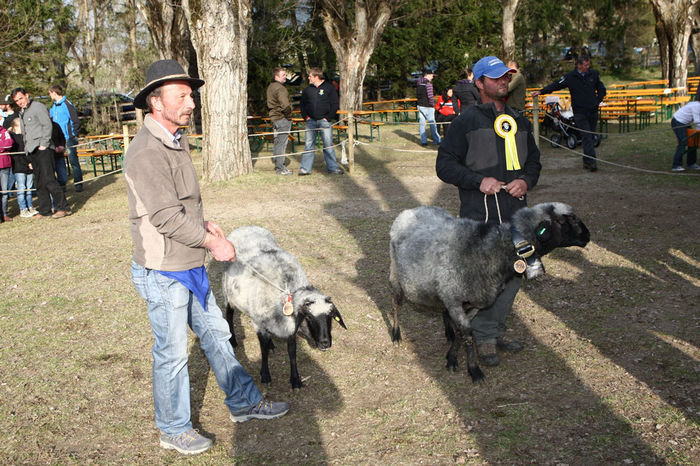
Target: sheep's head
<point x="315" y="315"/>
<point x="551" y="225"/>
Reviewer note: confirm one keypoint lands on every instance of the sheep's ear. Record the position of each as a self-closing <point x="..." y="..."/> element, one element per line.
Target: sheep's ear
<point x="544" y="232"/>
<point x="338" y="318"/>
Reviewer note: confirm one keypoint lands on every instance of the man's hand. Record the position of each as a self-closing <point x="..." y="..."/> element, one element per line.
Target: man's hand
<point x="490" y="185"/>
<point x="42" y="147"/>
<point x="517" y="188"/>
<point x="535" y="93"/>
<point x="215" y="241"/>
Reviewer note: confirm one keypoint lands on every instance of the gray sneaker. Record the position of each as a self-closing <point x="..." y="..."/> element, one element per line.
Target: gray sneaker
<point x="187" y="443"/>
<point x="264" y="410"/>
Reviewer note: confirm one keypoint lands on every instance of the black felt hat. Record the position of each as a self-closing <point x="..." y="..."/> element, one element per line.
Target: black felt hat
<point x="161" y="72"/>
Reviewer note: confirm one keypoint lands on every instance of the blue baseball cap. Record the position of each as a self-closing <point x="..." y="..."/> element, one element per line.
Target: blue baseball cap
<point x="491" y="67"/>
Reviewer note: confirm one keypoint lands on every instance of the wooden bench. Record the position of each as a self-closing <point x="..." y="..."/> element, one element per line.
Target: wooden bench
<point x="113" y="156"/>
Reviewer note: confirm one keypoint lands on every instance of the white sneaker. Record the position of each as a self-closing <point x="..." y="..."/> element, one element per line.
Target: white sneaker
<point x="25" y="213"/>
<point x="33" y="211"/>
<point x="678" y="169"/>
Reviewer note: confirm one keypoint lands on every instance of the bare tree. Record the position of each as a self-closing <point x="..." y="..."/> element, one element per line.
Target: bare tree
<point x="219" y="33"/>
<point x="510" y="9"/>
<point x="673" y="27"/>
<point x="168" y="27"/>
<point x="353" y="29"/>
<point x="695" y="37"/>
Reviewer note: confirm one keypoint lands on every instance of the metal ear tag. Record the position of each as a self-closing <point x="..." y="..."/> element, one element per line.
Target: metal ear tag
<point x="288" y="309"/>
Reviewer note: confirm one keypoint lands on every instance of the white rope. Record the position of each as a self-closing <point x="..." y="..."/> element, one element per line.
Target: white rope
<point x="264" y="278"/>
<point x="657" y="172"/>
<point x="422" y="151"/>
<point x="297" y="153"/>
<point x="498" y="209"/>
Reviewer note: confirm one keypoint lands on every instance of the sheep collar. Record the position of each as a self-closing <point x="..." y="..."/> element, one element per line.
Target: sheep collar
<point x="523" y="249"/>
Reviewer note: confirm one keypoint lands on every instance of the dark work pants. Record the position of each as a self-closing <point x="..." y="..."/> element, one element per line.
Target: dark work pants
<point x="45" y="182"/>
<point x="587" y="121"/>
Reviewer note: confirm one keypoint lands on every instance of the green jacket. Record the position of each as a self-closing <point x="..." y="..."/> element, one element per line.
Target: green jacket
<point x="278" y="102"/>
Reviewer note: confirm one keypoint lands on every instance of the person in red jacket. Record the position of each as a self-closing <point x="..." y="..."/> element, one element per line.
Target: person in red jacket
<point x="445" y="109"/>
<point x="5" y="170"/>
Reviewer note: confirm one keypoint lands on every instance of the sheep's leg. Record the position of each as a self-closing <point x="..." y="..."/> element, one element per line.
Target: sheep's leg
<point x="454" y="347"/>
<point x="462" y="322"/>
<point x="396" y="302"/>
<point x="264" y="351"/>
<point x="294" y="373"/>
<point x="229" y="319"/>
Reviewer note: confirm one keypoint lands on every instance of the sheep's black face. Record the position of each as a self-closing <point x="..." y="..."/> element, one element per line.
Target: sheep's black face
<point x="563" y="231"/>
<point x="317" y="322"/>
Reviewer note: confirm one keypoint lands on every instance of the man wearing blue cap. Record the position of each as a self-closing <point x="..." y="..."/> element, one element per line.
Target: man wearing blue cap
<point x="491" y="156"/>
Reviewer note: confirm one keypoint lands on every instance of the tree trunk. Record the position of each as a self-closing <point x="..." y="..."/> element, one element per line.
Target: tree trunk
<point x="354" y="34"/>
<point x="510" y="8"/>
<point x="673" y="26"/>
<point x="695" y="38"/>
<point x="219" y="33"/>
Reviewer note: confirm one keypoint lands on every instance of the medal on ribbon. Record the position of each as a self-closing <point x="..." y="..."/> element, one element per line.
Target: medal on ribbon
<point x="506" y="128"/>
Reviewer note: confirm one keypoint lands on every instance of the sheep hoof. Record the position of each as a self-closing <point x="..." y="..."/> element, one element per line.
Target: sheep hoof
<point x="476" y="374"/>
<point x="396" y="335"/>
<point x="451" y="367"/>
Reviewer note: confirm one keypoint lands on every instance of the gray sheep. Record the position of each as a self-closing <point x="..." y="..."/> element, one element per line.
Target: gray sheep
<point x="259" y="282"/>
<point x="461" y="266"/>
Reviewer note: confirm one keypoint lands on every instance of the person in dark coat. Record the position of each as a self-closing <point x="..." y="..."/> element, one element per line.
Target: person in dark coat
<point x="465" y="91"/>
<point x="587" y="92"/>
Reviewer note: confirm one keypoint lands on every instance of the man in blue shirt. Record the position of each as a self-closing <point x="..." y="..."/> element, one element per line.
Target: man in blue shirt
<point x="64" y="113"/>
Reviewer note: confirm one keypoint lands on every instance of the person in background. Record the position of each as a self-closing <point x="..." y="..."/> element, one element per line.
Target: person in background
<point x="7" y="113"/>
<point x="59" y="142"/>
<point x="587" y="92"/>
<point x="5" y="169"/>
<point x="517" y="88"/>
<point x="280" y="111"/>
<point x="681" y="121"/>
<point x="36" y="131"/>
<point x="64" y="113"/>
<point x="24" y="175"/>
<point x="171" y="240"/>
<point x="465" y="91"/>
<point x="445" y="109"/>
<point x="426" y="107"/>
<point x="319" y="104"/>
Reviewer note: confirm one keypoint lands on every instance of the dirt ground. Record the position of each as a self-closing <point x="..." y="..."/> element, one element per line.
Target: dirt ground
<point x="610" y="373"/>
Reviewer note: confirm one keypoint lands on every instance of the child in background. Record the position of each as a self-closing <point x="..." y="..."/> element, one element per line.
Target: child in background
<point x="23" y="172"/>
<point x="5" y="170"/>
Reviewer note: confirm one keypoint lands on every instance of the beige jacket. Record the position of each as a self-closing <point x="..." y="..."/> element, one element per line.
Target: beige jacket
<point x="165" y="205"/>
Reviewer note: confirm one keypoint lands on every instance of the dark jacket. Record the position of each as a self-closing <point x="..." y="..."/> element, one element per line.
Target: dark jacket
<point x="20" y="162"/>
<point x="319" y="102"/>
<point x="472" y="150"/>
<point x="587" y="91"/>
<point x="424" y="93"/>
<point x="466" y="93"/>
<point x="58" y="138"/>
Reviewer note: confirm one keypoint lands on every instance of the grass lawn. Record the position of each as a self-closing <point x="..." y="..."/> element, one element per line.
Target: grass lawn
<point x="610" y="373"/>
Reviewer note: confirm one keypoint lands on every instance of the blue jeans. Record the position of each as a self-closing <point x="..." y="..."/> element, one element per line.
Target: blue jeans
<point x="692" y="157"/>
<point x="61" y="170"/>
<point x="312" y="128"/>
<point x="74" y="161"/>
<point x="25" y="181"/>
<point x="5" y="186"/>
<point x="171" y="308"/>
<point x="427" y="114"/>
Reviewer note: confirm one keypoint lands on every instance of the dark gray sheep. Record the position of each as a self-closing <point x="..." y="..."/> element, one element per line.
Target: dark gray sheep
<point x="461" y="266"/>
<point x="258" y="283"/>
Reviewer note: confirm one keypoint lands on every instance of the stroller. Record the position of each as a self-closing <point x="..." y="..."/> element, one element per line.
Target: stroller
<point x="562" y="123"/>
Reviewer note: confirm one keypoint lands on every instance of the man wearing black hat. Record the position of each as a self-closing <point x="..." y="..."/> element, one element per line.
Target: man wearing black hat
<point x="491" y="156"/>
<point x="171" y="238"/>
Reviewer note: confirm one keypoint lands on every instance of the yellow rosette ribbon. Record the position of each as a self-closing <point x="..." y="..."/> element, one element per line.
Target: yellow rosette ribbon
<point x="506" y="128"/>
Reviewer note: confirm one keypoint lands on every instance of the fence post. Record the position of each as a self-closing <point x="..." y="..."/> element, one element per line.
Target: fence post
<point x="125" y="131"/>
<point x="351" y="143"/>
<point x="536" y="120"/>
